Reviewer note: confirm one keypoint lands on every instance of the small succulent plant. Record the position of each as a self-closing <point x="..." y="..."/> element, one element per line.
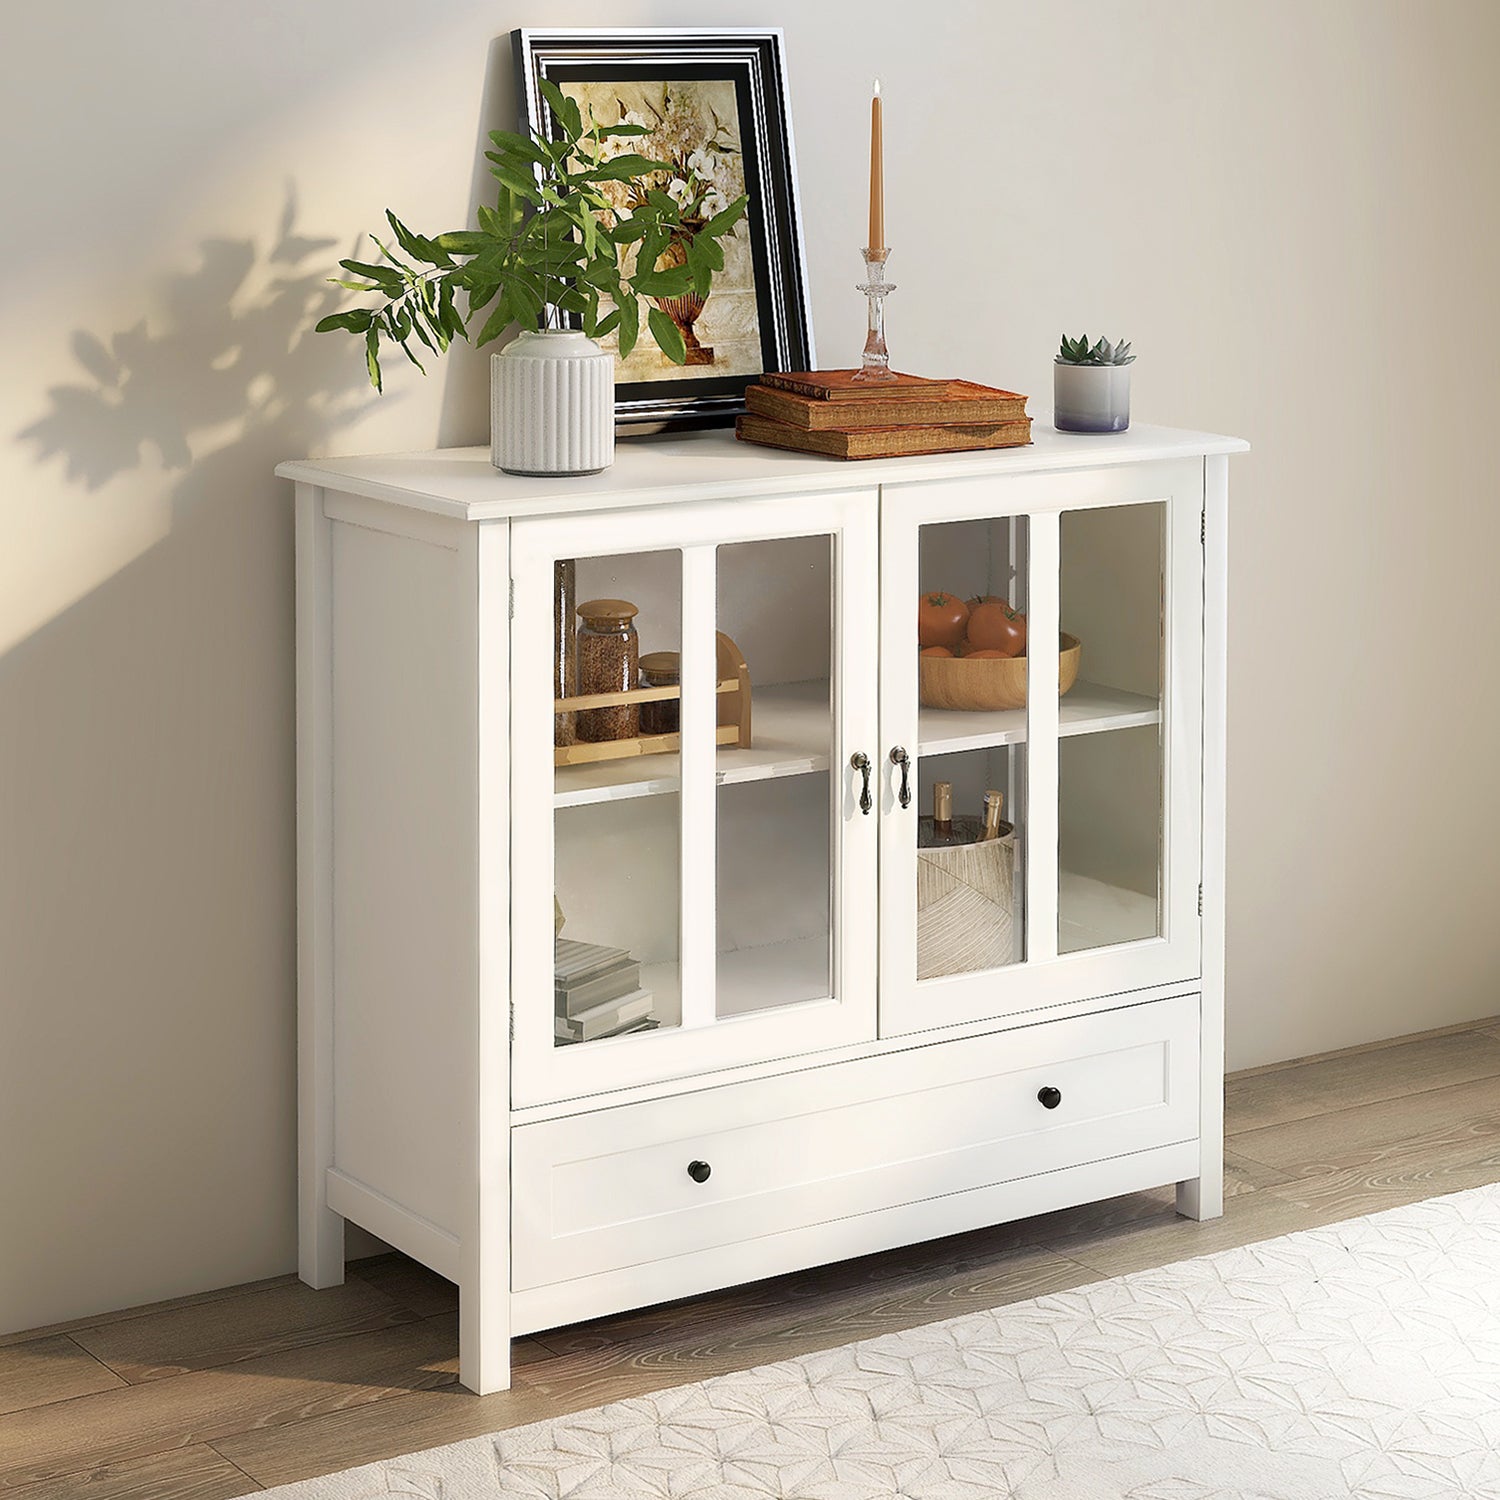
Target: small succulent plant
<point x="1080" y="352"/>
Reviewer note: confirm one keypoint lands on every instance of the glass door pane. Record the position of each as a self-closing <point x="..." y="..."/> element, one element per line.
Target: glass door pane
<point x="776" y="783"/>
<point x="971" y="751"/>
<point x="1110" y="759"/>
<point x="617" y="803"/>
<point x="706" y="849"/>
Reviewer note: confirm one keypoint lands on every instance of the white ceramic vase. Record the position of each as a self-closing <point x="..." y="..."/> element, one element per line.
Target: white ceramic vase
<point x="1090" y="398"/>
<point x="552" y="404"/>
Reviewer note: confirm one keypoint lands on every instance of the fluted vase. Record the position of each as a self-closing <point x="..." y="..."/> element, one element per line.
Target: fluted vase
<point x="552" y="404"/>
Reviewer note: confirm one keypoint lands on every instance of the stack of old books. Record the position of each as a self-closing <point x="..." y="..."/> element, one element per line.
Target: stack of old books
<point x="598" y="993"/>
<point x="829" y="411"/>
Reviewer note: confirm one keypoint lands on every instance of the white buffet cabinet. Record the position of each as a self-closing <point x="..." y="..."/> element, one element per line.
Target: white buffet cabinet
<point x="801" y="1095"/>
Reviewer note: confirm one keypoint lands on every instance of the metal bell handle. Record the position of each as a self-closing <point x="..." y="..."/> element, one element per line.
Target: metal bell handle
<point x="899" y="757"/>
<point x="861" y="763"/>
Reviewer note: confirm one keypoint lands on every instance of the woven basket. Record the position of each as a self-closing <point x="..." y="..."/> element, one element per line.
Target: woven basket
<point x="965" y="918"/>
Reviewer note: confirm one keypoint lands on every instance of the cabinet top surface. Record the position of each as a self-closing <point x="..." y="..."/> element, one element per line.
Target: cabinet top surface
<point x="462" y="484"/>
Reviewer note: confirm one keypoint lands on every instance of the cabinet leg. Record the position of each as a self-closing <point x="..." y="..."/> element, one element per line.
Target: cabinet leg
<point x="1202" y="1197"/>
<point x="320" y="1246"/>
<point x="483" y="1342"/>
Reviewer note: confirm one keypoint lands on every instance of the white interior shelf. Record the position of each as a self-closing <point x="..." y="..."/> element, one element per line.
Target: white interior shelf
<point x="791" y="734"/>
<point x="747" y="980"/>
<point x="752" y="979"/>
<point x="1093" y="914"/>
<point x="790" y="727"/>
<point x="1087" y="709"/>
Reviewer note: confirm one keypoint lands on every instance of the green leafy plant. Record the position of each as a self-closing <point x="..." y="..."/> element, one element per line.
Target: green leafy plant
<point x="555" y="245"/>
<point x="1080" y="352"/>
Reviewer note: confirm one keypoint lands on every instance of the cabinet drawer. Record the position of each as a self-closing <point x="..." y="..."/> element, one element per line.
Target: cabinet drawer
<point x="610" y="1189"/>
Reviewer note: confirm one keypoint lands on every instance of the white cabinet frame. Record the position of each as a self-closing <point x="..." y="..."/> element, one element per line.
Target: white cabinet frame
<point x="425" y="807"/>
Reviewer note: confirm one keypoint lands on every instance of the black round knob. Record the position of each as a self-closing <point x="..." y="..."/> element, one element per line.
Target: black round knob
<point x="699" y="1171"/>
<point x="1049" y="1097"/>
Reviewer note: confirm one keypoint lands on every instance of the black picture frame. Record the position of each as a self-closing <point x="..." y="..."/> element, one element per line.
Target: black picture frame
<point x="753" y="58"/>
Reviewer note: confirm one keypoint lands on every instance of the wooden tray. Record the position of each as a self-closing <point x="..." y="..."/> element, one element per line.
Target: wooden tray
<point x="733" y="716"/>
<point x="991" y="682"/>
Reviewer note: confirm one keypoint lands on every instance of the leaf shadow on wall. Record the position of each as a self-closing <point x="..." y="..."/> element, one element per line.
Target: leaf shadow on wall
<point x="147" y="758"/>
<point x="234" y="356"/>
<point x="147" y="788"/>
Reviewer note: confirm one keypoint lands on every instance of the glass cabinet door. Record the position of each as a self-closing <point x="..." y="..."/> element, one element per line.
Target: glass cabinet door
<point x="689" y="687"/>
<point x="1041" y="710"/>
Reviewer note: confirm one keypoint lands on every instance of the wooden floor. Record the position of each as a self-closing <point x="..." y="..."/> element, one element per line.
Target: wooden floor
<point x="215" y="1396"/>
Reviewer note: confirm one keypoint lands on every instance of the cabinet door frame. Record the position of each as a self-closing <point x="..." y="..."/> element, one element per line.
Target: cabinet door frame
<point x="1045" y="977"/>
<point x="543" y="1073"/>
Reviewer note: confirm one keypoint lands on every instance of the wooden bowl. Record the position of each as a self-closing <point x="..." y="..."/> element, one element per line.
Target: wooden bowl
<point x="991" y="682"/>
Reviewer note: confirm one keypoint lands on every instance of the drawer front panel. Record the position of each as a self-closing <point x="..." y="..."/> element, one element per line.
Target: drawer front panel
<point x="610" y="1189"/>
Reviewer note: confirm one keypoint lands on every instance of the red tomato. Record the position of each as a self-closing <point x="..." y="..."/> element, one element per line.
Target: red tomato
<point x="935" y="651"/>
<point x="995" y="626"/>
<point x="941" y="619"/>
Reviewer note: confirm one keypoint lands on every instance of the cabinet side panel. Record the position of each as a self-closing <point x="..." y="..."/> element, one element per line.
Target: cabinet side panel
<point x="320" y="1248"/>
<point x="403" y="869"/>
<point x="1203" y="1197"/>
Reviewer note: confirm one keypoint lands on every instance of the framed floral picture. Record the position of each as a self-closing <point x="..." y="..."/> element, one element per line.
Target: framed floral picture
<point x="713" y="106"/>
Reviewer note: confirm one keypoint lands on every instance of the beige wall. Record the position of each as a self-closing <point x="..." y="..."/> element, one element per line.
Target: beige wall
<point x="1289" y="206"/>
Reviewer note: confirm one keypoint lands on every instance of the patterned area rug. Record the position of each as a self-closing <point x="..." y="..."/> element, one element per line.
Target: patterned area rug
<point x="1358" y="1360"/>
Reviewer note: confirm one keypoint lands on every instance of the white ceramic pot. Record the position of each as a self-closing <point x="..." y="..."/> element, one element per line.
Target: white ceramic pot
<point x="552" y="404"/>
<point x="1090" y="398"/>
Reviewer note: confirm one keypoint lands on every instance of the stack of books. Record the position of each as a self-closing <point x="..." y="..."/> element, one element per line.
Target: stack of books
<point x="598" y="993"/>
<point x="828" y="411"/>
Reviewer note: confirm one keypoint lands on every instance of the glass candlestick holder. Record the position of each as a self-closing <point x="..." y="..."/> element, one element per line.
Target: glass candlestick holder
<point x="876" y="362"/>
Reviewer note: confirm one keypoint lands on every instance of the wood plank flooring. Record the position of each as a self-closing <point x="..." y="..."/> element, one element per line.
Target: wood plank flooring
<point x="226" y="1393"/>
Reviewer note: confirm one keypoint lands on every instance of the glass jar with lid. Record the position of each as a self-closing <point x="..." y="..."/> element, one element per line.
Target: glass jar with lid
<point x="661" y="669"/>
<point x="608" y="662"/>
